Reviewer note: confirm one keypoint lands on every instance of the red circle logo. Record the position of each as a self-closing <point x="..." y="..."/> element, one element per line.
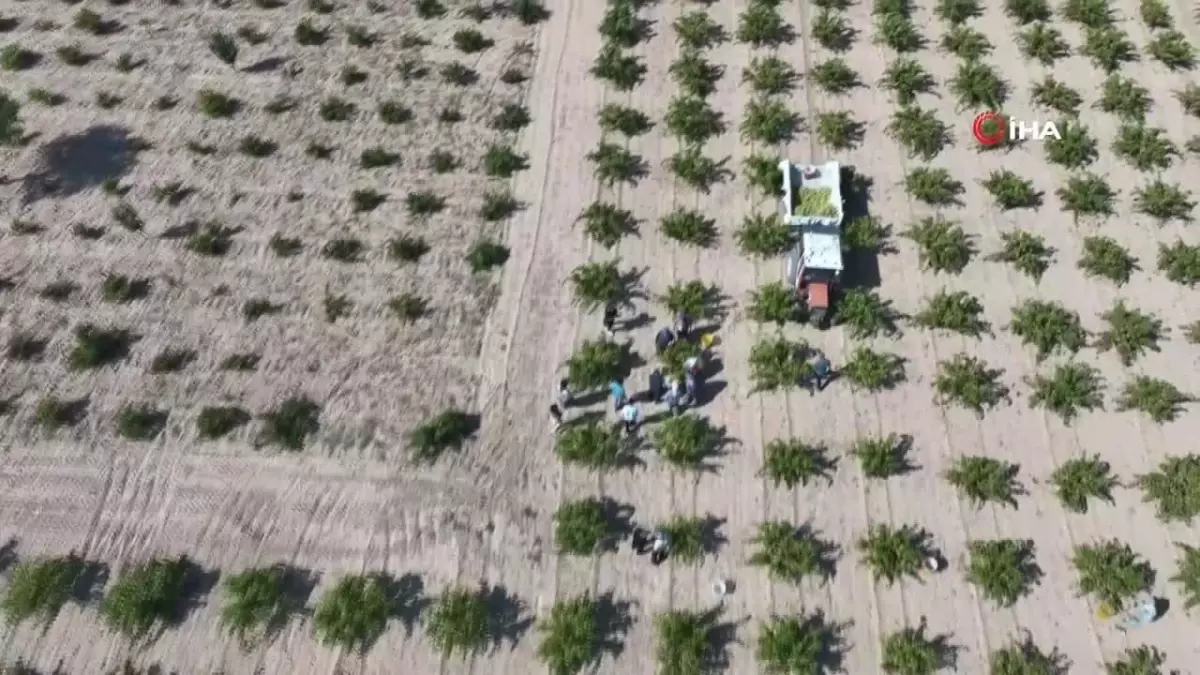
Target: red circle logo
<point x="989" y="128"/>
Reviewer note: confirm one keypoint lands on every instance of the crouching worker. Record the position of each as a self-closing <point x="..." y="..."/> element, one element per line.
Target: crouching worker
<point x="656" y="390"/>
<point x="660" y="548"/>
<point x="674" y="399"/>
<point x="556" y="417"/>
<point x="822" y="374"/>
<point x="617" y="389"/>
<point x="632" y="418"/>
<point x="663" y="340"/>
<point x="564" y="393"/>
<point x="683" y="325"/>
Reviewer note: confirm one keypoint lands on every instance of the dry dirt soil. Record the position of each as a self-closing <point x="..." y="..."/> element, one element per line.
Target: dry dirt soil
<point x="494" y="343"/>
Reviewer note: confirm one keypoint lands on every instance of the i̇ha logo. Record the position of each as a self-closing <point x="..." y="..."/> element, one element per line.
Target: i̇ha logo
<point x="992" y="128"/>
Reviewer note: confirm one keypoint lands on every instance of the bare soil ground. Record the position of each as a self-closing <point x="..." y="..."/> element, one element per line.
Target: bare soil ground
<point x="353" y="502"/>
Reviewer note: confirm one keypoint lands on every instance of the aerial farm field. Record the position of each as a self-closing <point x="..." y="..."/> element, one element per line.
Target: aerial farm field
<point x="286" y="289"/>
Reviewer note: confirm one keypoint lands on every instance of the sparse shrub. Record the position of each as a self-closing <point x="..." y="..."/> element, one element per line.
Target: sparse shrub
<point x="1174" y="488"/>
<point x="957" y="12"/>
<point x="839" y="130"/>
<point x="872" y="370"/>
<point x="834" y="76"/>
<point x="978" y="85"/>
<point x="894" y="553"/>
<point x="832" y="31"/>
<point x="14" y="57"/>
<point x="774" y="303"/>
<point x="1111" y="572"/>
<point x="1087" y="195"/>
<point x="595" y="363"/>
<point x="1130" y="333"/>
<point x="52" y="414"/>
<point x="615" y="164"/>
<point x="309" y="35"/>
<point x="407" y="307"/>
<point x="594" y="445"/>
<point x="146" y="595"/>
<point x="257" y="147"/>
<point x="215" y="104"/>
<point x="1156" y="16"/>
<point x="934" y="186"/>
<point x="572" y="635"/>
<point x="1043" y="43"/>
<point x="1081" y="479"/>
<point x="394" y="112"/>
<point x="761" y="25"/>
<point x="498" y="205"/>
<point x="795" y="645"/>
<point x="694" y="298"/>
<point x="106" y="100"/>
<point x="596" y="284"/>
<point x="1021" y="657"/>
<point x="430" y="9"/>
<point x="691" y="166"/>
<point x="172" y="360"/>
<point x="919" y="131"/>
<point x="343" y="249"/>
<point x="776" y="363"/>
<point x="257" y="308"/>
<point x="366" y="200"/>
<point x="354" y="613"/>
<point x="769" y="76"/>
<point x="764" y="236"/>
<point x="1189" y="99"/>
<point x="424" y="203"/>
<point x="687" y="441"/>
<point x="761" y="172"/>
<point x="40" y="588"/>
<point x="1049" y="327"/>
<point x="623" y="120"/>
<point x="377" y="157"/>
<point x="906" y="78"/>
<point x="487" y="255"/>
<point x="684" y="640"/>
<point x="224" y="47"/>
<point x="865" y="314"/>
<point x="1027" y="252"/>
<point x="866" y="234"/>
<point x="122" y="289"/>
<point x="140" y="422"/>
<point x="792" y="462"/>
<point x="1144" y="147"/>
<point x="694" y="74"/>
<point x="1088" y="13"/>
<point x="1164" y="202"/>
<point x="1074" y="149"/>
<point x="965" y="43"/>
<point x="956" y="311"/>
<point x="581" y="527"/>
<point x="441" y="161"/>
<point x="458" y="74"/>
<point x="622" y="70"/>
<point x="943" y="246"/>
<point x="220" y="421"/>
<point x="695" y="30"/>
<point x="292" y="423"/>
<point x="1072" y="387"/>
<point x="1010" y="191"/>
<point x="791" y="553"/>
<point x="1109" y="48"/>
<point x="909" y="651"/>
<point x="1172" y="49"/>
<point x="1180" y="263"/>
<point x="1188" y="575"/>
<point x="968" y="382"/>
<point x="882" y="458"/>
<point x="1160" y="400"/>
<point x="622" y="26"/>
<point x="688" y="226"/>
<point x="1137" y="661"/>
<point x="1003" y="569"/>
<point x="471" y="41"/>
<point x="691" y="119"/>
<point x="1054" y="95"/>
<point x="256" y="603"/>
<point x="501" y="161"/>
<point x="897" y="32"/>
<point x="607" y="224"/>
<point x="983" y="480"/>
<point x="334" y="109"/>
<point x="1125" y="98"/>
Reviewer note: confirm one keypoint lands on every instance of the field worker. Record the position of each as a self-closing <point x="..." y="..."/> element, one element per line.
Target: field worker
<point x="564" y="393"/>
<point x="822" y="372"/>
<point x="692" y="366"/>
<point x="663" y="340"/>
<point x="657" y="388"/>
<point x="610" y="319"/>
<point x="617" y="389"/>
<point x="660" y="548"/>
<point x="692" y="386"/>
<point x="683" y="325"/>
<point x="632" y="417"/>
<point x="674" y="401"/>
<point x="556" y="416"/>
<point x="642" y="541"/>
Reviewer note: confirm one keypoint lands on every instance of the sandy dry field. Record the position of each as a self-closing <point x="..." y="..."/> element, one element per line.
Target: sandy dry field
<point x="353" y="502"/>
